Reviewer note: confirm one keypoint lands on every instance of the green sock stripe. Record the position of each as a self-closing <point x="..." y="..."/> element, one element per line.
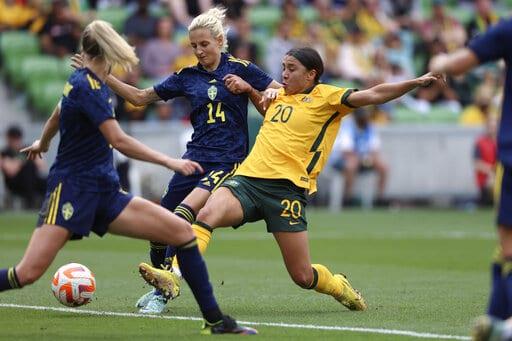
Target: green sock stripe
<point x="315" y="279"/>
<point x="203" y="225"/>
<point x="13" y="278"/>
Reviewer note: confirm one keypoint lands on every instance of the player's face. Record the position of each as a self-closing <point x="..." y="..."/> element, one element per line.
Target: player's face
<point x="296" y="78"/>
<point x="206" y="48"/>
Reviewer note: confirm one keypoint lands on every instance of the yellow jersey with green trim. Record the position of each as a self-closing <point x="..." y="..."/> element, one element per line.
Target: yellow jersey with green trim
<point x="297" y="135"/>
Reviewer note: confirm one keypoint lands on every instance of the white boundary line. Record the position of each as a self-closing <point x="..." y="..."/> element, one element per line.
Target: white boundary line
<point x="267" y="324"/>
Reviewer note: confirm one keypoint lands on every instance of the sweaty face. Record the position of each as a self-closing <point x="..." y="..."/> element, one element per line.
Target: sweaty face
<point x="206" y="48"/>
<point x="296" y="78"/>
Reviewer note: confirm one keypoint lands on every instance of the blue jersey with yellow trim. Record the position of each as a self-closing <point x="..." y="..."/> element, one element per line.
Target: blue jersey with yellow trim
<point x="493" y="45"/>
<point x="84" y="155"/>
<point x="219" y="117"/>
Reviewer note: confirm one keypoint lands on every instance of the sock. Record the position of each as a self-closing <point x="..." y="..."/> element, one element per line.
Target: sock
<point x="326" y="283"/>
<point x="498" y="302"/>
<point x="157" y="254"/>
<point x="193" y="269"/>
<point x="9" y="279"/>
<point x="185" y="212"/>
<point x="203" y="233"/>
<point x="506" y="272"/>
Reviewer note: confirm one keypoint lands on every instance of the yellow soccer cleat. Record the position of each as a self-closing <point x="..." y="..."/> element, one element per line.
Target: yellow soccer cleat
<point x="350" y="297"/>
<point x="164" y="280"/>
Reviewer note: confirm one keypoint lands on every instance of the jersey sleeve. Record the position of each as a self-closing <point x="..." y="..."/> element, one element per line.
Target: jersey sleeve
<point x="256" y="77"/>
<point x="171" y="87"/>
<point x="95" y="105"/>
<point x="338" y="99"/>
<point x="492" y="45"/>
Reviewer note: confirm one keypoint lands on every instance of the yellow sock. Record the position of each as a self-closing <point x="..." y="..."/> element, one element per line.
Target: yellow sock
<point x="203" y="235"/>
<point x="326" y="282"/>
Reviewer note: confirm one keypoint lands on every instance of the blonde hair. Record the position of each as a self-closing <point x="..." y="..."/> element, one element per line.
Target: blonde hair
<point x="212" y="20"/>
<point x="99" y="39"/>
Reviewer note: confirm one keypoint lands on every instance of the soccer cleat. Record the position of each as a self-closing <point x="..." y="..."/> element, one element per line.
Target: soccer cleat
<point x="155" y="305"/>
<point x="350" y="297"/>
<point x="488" y="329"/>
<point x="144" y="299"/>
<point x="165" y="281"/>
<point x="227" y="326"/>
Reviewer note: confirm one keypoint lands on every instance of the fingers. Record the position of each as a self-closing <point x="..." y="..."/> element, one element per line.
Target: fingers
<point x="26" y="149"/>
<point x="197" y="167"/>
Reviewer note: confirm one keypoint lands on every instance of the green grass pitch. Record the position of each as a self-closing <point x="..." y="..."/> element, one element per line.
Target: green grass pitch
<point x="423" y="271"/>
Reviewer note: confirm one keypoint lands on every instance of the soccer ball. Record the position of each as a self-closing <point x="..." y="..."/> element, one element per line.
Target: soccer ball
<point x="73" y="285"/>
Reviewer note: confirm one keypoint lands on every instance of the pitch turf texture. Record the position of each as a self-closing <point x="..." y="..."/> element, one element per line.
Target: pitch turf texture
<point x="421" y="271"/>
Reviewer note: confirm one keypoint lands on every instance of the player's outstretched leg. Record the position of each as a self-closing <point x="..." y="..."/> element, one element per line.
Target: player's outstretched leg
<point x="338" y="287"/>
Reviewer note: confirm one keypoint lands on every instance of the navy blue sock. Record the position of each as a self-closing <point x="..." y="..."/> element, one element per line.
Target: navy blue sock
<point x="506" y="272"/>
<point x="9" y="279"/>
<point x="193" y="269"/>
<point x="157" y="254"/>
<point x="498" y="302"/>
<point x="185" y="212"/>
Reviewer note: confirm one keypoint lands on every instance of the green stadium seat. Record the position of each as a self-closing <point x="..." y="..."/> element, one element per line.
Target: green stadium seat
<point x="264" y="17"/>
<point x="308" y="13"/>
<point x="437" y="114"/>
<point x="44" y="95"/>
<point x="35" y="67"/>
<point x="17" y="42"/>
<point x="115" y="15"/>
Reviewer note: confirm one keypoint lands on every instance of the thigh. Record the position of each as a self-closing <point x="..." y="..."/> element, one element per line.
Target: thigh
<point x="294" y="248"/>
<point x="45" y="243"/>
<point x="197" y="198"/>
<point x="178" y="189"/>
<point x="245" y="191"/>
<point x="222" y="209"/>
<point x="504" y="185"/>
<point x="144" y="220"/>
<point x="284" y="209"/>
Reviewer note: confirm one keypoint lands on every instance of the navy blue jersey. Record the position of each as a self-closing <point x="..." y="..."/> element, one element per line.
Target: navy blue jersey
<point x="84" y="156"/>
<point x="493" y="45"/>
<point x="218" y="116"/>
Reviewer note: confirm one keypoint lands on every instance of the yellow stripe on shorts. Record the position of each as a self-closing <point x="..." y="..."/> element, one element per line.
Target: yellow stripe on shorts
<point x="226" y="176"/>
<point x="50" y="208"/>
<point x="53" y="212"/>
<point x="497" y="184"/>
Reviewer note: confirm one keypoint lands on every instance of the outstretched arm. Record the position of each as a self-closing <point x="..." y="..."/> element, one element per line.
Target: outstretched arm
<point x="237" y="85"/>
<point x="130" y="93"/>
<point x="455" y="63"/>
<point x="385" y="92"/>
<point x="135" y="149"/>
<point x="43" y="143"/>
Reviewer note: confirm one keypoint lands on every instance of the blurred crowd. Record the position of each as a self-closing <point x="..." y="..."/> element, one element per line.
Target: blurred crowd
<point x="362" y="42"/>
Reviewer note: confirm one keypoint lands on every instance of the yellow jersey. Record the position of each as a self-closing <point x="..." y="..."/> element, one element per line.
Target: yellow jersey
<point x="297" y="135"/>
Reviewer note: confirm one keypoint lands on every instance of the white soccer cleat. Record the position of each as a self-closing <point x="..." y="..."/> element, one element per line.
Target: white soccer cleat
<point x="144" y="299"/>
<point x="156" y="305"/>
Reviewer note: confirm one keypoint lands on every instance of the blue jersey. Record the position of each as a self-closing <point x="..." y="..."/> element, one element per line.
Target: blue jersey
<point x="493" y="45"/>
<point x="219" y="117"/>
<point x="84" y="156"/>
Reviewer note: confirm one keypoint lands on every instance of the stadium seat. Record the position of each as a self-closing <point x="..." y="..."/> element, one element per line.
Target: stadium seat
<point x="264" y="17"/>
<point x="17" y="42"/>
<point x="36" y="67"/>
<point x="115" y="15"/>
<point x="44" y="95"/>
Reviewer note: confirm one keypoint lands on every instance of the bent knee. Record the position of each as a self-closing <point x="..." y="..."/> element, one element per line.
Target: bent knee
<point x="303" y="279"/>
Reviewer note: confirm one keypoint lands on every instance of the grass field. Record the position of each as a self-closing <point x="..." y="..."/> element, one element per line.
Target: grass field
<point x="421" y="271"/>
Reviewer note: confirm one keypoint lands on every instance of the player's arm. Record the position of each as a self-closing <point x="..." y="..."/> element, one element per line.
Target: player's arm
<point x="237" y="85"/>
<point x="49" y="130"/>
<point x="454" y="64"/>
<point x="385" y="92"/>
<point x="135" y="149"/>
<point x="136" y="96"/>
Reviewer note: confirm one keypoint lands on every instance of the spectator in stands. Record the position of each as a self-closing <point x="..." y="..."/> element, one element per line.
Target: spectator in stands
<point x="479" y="113"/>
<point x="141" y="25"/>
<point x="334" y="29"/>
<point x="357" y="149"/>
<point x="61" y="32"/>
<point x="443" y="27"/>
<point x="126" y="110"/>
<point x="373" y="20"/>
<point x="405" y="13"/>
<point x="240" y="44"/>
<point x="277" y="47"/>
<point x="22" y="177"/>
<point x="290" y="13"/>
<point x="485" y="162"/>
<point x="16" y="14"/>
<point x="161" y="111"/>
<point x="483" y="17"/>
<point x="355" y="56"/>
<point x="160" y="53"/>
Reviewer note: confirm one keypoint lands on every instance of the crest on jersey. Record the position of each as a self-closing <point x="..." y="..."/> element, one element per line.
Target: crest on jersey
<point x="307" y="99"/>
<point x="67" y="211"/>
<point x="212" y="92"/>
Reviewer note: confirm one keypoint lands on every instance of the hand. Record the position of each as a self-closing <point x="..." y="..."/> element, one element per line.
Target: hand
<point x="77" y="62"/>
<point x="35" y="150"/>
<point x="236" y="85"/>
<point x="184" y="166"/>
<point x="269" y="95"/>
<point x="429" y="78"/>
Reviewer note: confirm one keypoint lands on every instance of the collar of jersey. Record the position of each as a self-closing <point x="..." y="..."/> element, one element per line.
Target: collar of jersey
<point x="93" y="74"/>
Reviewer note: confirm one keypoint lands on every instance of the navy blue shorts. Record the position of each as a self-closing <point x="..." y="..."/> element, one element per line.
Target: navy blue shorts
<point x="504" y="181"/>
<point x="180" y="185"/>
<point x="80" y="211"/>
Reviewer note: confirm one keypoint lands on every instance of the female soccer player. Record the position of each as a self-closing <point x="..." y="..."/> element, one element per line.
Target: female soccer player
<point x="291" y="148"/>
<point x="83" y="192"/>
<point x="492" y="46"/>
<point x="219" y="118"/>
